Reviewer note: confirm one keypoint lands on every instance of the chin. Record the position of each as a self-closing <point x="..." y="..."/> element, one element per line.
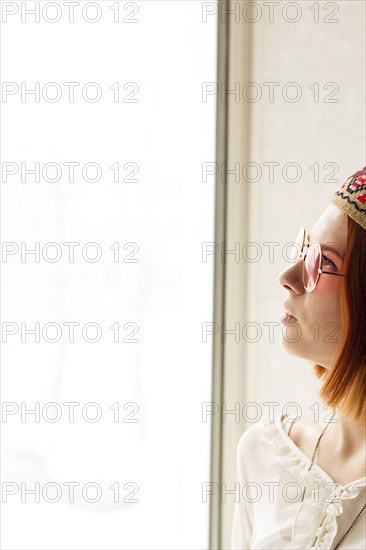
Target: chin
<point x="290" y="348"/>
<point x="295" y="350"/>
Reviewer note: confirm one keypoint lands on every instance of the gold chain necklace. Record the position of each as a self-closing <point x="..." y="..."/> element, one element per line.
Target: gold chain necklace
<point x="303" y="494"/>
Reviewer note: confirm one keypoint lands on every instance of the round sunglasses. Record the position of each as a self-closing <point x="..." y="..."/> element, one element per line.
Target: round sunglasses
<point x="312" y="261"/>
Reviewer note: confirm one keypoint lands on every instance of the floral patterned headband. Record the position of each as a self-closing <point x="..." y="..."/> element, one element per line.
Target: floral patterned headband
<point x="351" y="197"/>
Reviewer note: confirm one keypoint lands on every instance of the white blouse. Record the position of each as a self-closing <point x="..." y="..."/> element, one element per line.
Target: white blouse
<point x="272" y="472"/>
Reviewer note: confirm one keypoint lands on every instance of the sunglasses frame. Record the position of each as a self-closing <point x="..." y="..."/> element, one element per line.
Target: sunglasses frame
<point x="303" y="257"/>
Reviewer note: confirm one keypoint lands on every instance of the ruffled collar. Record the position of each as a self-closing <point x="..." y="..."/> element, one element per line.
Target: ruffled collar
<point x="327" y="495"/>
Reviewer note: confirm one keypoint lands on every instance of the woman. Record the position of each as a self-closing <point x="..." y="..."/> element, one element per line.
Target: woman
<point x="303" y="482"/>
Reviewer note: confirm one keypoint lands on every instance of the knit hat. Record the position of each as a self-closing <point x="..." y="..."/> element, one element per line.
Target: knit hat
<point x="351" y="197"/>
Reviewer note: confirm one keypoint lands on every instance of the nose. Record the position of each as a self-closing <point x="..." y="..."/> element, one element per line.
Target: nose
<point x="291" y="277"/>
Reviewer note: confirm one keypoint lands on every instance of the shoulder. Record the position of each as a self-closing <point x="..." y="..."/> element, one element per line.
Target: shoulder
<point x="258" y="446"/>
<point x="260" y="435"/>
<point x="304" y="429"/>
<point x="249" y="439"/>
<point x="255" y="438"/>
<point x="250" y="451"/>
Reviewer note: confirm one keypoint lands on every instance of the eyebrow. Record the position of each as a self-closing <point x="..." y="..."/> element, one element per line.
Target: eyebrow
<point x="330" y="248"/>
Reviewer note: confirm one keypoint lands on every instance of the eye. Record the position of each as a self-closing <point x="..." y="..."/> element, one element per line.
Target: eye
<point x="327" y="261"/>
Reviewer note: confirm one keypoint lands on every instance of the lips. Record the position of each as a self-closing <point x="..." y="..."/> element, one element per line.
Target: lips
<point x="285" y="318"/>
<point x="290" y="315"/>
<point x="286" y="310"/>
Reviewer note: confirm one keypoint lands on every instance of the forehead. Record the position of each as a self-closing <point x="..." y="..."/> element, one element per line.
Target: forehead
<point x="331" y="227"/>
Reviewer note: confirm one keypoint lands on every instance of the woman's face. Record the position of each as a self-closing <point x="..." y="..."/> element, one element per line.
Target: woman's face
<point x="316" y="332"/>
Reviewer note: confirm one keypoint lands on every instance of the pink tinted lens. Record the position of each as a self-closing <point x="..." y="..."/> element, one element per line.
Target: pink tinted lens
<point x="311" y="266"/>
<point x="297" y="246"/>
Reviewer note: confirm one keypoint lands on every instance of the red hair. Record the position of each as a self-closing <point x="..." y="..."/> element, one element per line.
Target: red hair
<point x="345" y="383"/>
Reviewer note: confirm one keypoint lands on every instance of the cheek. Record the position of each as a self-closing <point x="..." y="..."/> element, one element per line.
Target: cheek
<point x="328" y="289"/>
<point x="323" y="307"/>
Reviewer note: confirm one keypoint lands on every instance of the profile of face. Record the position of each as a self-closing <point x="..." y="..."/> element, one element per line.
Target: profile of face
<point x="316" y="332"/>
